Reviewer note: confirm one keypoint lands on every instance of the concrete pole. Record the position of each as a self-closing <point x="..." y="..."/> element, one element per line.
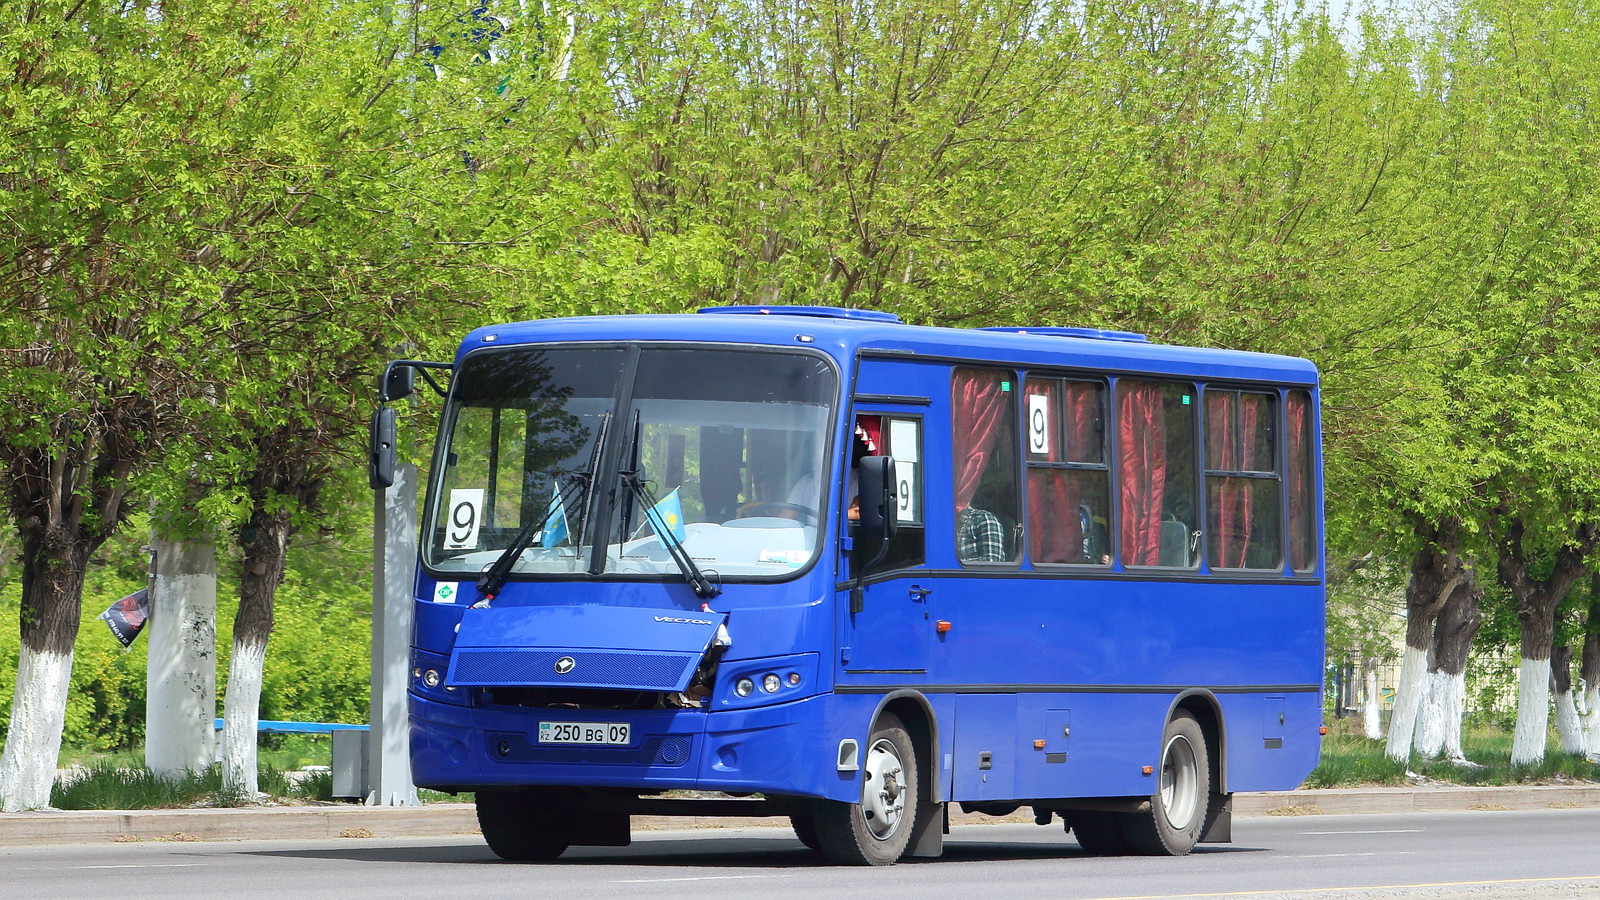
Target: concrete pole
<point x="394" y="566"/>
<point x="181" y="677"/>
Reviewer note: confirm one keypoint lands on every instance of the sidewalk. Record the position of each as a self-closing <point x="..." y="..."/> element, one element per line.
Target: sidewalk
<point x="441" y="819"/>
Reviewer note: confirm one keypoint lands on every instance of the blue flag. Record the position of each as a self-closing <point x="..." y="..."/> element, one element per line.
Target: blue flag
<point x="667" y="515"/>
<point x="555" y="522"/>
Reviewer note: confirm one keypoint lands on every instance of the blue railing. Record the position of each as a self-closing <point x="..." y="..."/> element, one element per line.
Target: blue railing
<point x="270" y="726"/>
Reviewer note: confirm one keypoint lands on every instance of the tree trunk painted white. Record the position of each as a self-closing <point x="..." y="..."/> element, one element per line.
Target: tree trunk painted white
<point x="1591" y="721"/>
<point x="1567" y="724"/>
<point x="1429" y="736"/>
<point x="1455" y="703"/>
<point x="1371" y="709"/>
<point x="241" y="714"/>
<point x="33" y="740"/>
<point x="181" y="677"/>
<point x="1533" y="712"/>
<point x="1407" y="699"/>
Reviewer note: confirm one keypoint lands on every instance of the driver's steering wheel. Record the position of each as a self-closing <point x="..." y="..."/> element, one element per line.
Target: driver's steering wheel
<point x="805" y="514"/>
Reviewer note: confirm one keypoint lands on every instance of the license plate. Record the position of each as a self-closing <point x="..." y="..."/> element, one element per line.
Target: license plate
<point x="584" y="733"/>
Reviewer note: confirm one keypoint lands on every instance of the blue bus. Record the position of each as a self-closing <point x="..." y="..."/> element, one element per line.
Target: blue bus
<point x="819" y="563"/>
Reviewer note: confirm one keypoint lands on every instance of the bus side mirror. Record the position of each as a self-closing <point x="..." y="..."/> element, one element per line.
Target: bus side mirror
<point x="879" y="517"/>
<point x="879" y="504"/>
<point x="381" y="450"/>
<point x="396" y="382"/>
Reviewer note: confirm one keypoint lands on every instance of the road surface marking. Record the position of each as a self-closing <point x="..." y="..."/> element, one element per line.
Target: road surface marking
<point x="1299" y="892"/>
<point x="1332" y="855"/>
<point x="1394" y="831"/>
<point x="696" y="878"/>
<point x="128" y="865"/>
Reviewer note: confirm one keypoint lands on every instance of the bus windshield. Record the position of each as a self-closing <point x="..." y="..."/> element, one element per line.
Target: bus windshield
<point x="729" y="445"/>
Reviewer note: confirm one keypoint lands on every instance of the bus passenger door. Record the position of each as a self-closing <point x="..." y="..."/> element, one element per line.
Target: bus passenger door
<point x="891" y="631"/>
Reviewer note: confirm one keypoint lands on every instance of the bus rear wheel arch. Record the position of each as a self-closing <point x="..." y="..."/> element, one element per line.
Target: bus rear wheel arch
<point x="1177" y="813"/>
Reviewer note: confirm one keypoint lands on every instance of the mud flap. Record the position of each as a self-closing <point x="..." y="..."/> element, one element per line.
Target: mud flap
<point x="933" y="821"/>
<point x="1220" y="829"/>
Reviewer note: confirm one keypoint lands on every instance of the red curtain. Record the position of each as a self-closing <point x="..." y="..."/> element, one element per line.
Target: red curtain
<point x="978" y="409"/>
<point x="1083" y="412"/>
<point x="1301" y="530"/>
<point x="1222" y="452"/>
<point x="1142" y="468"/>
<point x="1055" y="535"/>
<point x="1230" y="443"/>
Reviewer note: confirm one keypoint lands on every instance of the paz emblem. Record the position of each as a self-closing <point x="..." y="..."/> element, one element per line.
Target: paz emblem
<point x="565" y="664"/>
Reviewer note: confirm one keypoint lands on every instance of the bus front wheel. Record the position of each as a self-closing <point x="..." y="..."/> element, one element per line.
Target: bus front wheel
<point x="877" y="830"/>
<point x="1176" y="817"/>
<point x="517" y="826"/>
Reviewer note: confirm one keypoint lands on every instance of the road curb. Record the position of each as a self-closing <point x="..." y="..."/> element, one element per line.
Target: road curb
<point x="332" y="822"/>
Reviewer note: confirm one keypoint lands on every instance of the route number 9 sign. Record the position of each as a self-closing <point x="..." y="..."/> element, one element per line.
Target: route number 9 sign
<point x="463" y="516"/>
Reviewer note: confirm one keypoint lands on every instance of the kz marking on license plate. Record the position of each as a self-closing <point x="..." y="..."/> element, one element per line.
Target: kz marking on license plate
<point x="584" y="733"/>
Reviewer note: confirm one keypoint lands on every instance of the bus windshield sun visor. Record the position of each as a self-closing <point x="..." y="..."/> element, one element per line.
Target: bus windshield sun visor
<point x="581" y="647"/>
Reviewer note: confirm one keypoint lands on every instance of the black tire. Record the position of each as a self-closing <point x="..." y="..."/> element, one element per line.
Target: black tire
<point x="1098" y="833"/>
<point x="877" y="830"/>
<point x="805" y="828"/>
<point x="1181" y="806"/>
<point x="517" y="826"/>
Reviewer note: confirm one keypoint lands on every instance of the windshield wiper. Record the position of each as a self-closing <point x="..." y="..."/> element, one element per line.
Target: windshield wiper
<point x="704" y="587"/>
<point x="494" y="577"/>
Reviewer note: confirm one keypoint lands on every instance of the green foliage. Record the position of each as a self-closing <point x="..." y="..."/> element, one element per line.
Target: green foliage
<point x="318" y="664"/>
<point x="1350" y="760"/>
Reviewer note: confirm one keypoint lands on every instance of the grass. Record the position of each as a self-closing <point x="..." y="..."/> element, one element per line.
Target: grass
<point x="107" y="785"/>
<point x="119" y="779"/>
<point x="284" y="752"/>
<point x="1353" y="760"/>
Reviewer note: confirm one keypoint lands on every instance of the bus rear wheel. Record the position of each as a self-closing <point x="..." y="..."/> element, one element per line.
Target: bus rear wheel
<point x="520" y="826"/>
<point x="877" y="830"/>
<point x="1176" y="817"/>
<point x="1098" y="833"/>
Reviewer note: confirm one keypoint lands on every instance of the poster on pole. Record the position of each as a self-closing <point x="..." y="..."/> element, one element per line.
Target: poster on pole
<point x="127" y="616"/>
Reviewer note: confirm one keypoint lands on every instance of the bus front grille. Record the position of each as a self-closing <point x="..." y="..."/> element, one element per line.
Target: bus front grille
<point x="572" y="668"/>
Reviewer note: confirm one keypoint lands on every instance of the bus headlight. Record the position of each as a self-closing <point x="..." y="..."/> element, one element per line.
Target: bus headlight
<point x="744" y="687"/>
<point x="430" y="678"/>
<point x="770" y="683"/>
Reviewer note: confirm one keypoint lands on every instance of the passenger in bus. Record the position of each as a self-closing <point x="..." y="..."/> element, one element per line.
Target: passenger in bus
<point x="980" y="537"/>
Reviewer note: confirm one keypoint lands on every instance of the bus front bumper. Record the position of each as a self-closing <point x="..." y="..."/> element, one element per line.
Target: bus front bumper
<point x="781" y="749"/>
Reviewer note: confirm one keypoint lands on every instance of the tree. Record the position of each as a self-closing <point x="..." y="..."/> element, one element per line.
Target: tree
<point x="110" y="133"/>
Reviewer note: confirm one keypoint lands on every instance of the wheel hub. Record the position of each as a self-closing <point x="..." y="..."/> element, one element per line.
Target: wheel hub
<point x="883" y="795"/>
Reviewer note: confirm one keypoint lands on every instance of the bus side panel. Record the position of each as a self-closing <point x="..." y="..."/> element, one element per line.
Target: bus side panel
<point x="986" y="747"/>
<point x="1274" y="740"/>
<point x="1094" y="744"/>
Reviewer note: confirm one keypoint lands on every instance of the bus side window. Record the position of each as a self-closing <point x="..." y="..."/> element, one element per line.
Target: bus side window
<point x="984" y="450"/>
<point x="1243" y="525"/>
<point x="1069" y="502"/>
<point x="900" y="438"/>
<point x="1155" y="442"/>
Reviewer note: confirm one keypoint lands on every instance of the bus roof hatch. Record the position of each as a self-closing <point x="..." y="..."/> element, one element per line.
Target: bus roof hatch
<point x="819" y="312"/>
<point x="1098" y="334"/>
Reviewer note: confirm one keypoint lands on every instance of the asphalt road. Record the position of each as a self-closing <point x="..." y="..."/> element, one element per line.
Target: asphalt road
<point x="1515" y="854"/>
